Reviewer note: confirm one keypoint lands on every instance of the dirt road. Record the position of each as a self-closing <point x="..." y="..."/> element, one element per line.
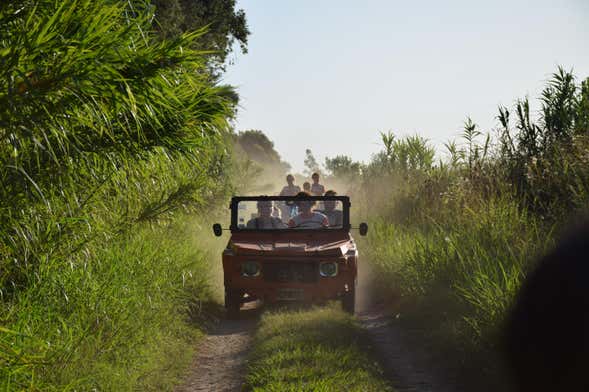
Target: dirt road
<point x="402" y="353"/>
<point x="220" y="363"/>
<point x="407" y="364"/>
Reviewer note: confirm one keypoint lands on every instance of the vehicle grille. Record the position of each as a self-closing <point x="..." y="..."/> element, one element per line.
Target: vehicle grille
<point x="302" y="272"/>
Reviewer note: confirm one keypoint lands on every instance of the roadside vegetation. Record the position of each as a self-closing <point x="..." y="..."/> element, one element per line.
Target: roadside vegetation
<point x="451" y="241"/>
<point x="322" y="349"/>
<point x="116" y="151"/>
<point x="113" y="141"/>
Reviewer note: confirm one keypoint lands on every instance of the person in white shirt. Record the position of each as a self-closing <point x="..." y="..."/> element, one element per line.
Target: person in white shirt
<point x="316" y="188"/>
<point x="288" y="211"/>
<point x="265" y="220"/>
<point x="307" y="218"/>
<point x="291" y="189"/>
<point x="306" y="187"/>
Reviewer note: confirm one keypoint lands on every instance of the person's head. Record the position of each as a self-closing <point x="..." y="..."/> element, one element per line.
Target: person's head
<point x="315" y="178"/>
<point x="546" y="337"/>
<point x="329" y="204"/>
<point x="265" y="208"/>
<point x="290" y="179"/>
<point x="306" y="187"/>
<point x="305" y="205"/>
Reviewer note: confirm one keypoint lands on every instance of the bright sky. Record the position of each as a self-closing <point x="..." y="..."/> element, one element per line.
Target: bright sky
<point x="329" y="75"/>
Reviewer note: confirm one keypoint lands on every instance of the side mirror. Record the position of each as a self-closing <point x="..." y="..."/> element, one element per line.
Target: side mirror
<point x="217" y="229"/>
<point x="363" y="228"/>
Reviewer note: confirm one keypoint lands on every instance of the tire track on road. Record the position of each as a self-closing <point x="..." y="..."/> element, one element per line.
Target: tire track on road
<point x="221" y="360"/>
<point x="407" y="364"/>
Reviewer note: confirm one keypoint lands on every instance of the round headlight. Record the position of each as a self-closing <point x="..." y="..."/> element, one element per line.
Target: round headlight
<point x="250" y="269"/>
<point x="328" y="269"/>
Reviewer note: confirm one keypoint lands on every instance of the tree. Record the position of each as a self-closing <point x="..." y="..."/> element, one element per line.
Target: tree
<point x="259" y="148"/>
<point x="225" y="24"/>
<point x="256" y="148"/>
<point x="311" y="164"/>
<point x="342" y="166"/>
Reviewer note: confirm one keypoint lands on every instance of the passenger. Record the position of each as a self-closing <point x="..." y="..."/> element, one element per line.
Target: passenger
<point x="291" y="189"/>
<point x="288" y="210"/>
<point x="265" y="220"/>
<point x="306" y="217"/>
<point x="334" y="216"/>
<point x="306" y="187"/>
<point x="316" y="188"/>
<point x="276" y="212"/>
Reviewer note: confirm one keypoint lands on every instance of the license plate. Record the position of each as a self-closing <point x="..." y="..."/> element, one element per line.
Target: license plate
<point x="290" y="295"/>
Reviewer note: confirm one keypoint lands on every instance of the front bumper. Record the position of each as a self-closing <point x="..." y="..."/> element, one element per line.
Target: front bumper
<point x="301" y="287"/>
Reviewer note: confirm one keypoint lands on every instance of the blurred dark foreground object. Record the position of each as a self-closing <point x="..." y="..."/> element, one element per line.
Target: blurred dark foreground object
<point x="547" y="334"/>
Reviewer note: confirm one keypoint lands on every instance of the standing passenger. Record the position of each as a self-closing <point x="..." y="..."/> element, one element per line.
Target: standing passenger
<point x="291" y="189"/>
<point x="288" y="211"/>
<point x="316" y="188"/>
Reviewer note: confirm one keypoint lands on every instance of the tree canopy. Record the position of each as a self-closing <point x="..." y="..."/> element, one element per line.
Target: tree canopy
<point x="259" y="149"/>
<point x="311" y="164"/>
<point x="342" y="166"/>
<point x="226" y="25"/>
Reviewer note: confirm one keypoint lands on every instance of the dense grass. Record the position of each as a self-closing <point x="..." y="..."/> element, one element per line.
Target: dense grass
<point x="312" y="350"/>
<point x="119" y="319"/>
<point x="471" y="261"/>
<point x="451" y="242"/>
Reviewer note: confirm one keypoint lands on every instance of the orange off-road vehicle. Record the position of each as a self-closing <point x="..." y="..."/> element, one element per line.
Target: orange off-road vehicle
<point x="275" y="254"/>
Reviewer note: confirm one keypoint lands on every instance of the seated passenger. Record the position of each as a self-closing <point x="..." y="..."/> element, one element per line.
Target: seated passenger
<point x="334" y="216"/>
<point x="307" y="218"/>
<point x="265" y="220"/>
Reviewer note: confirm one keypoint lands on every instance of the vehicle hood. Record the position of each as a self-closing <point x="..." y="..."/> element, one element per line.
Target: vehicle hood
<point x="334" y="247"/>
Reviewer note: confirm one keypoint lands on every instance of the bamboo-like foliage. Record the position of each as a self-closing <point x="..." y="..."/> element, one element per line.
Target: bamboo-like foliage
<point x="102" y="127"/>
<point x="463" y="234"/>
<point x="87" y="94"/>
<point x="545" y="159"/>
<point x="84" y="77"/>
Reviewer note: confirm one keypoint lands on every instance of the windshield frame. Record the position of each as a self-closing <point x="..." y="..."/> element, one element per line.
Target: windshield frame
<point x="345" y="203"/>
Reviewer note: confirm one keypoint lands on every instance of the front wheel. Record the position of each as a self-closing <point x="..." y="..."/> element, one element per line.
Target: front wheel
<point x="232" y="303"/>
<point x="349" y="300"/>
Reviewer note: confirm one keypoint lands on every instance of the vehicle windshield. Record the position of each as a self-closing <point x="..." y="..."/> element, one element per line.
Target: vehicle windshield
<point x="275" y="213"/>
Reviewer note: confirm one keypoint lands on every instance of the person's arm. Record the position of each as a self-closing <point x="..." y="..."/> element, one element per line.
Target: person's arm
<point x="278" y="224"/>
<point x="324" y="219"/>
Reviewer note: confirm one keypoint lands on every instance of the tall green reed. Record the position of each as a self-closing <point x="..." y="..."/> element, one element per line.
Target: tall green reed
<point x="107" y="135"/>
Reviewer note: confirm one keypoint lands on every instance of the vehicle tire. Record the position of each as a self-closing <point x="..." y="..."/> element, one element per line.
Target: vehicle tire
<point x="232" y="303"/>
<point x="349" y="300"/>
